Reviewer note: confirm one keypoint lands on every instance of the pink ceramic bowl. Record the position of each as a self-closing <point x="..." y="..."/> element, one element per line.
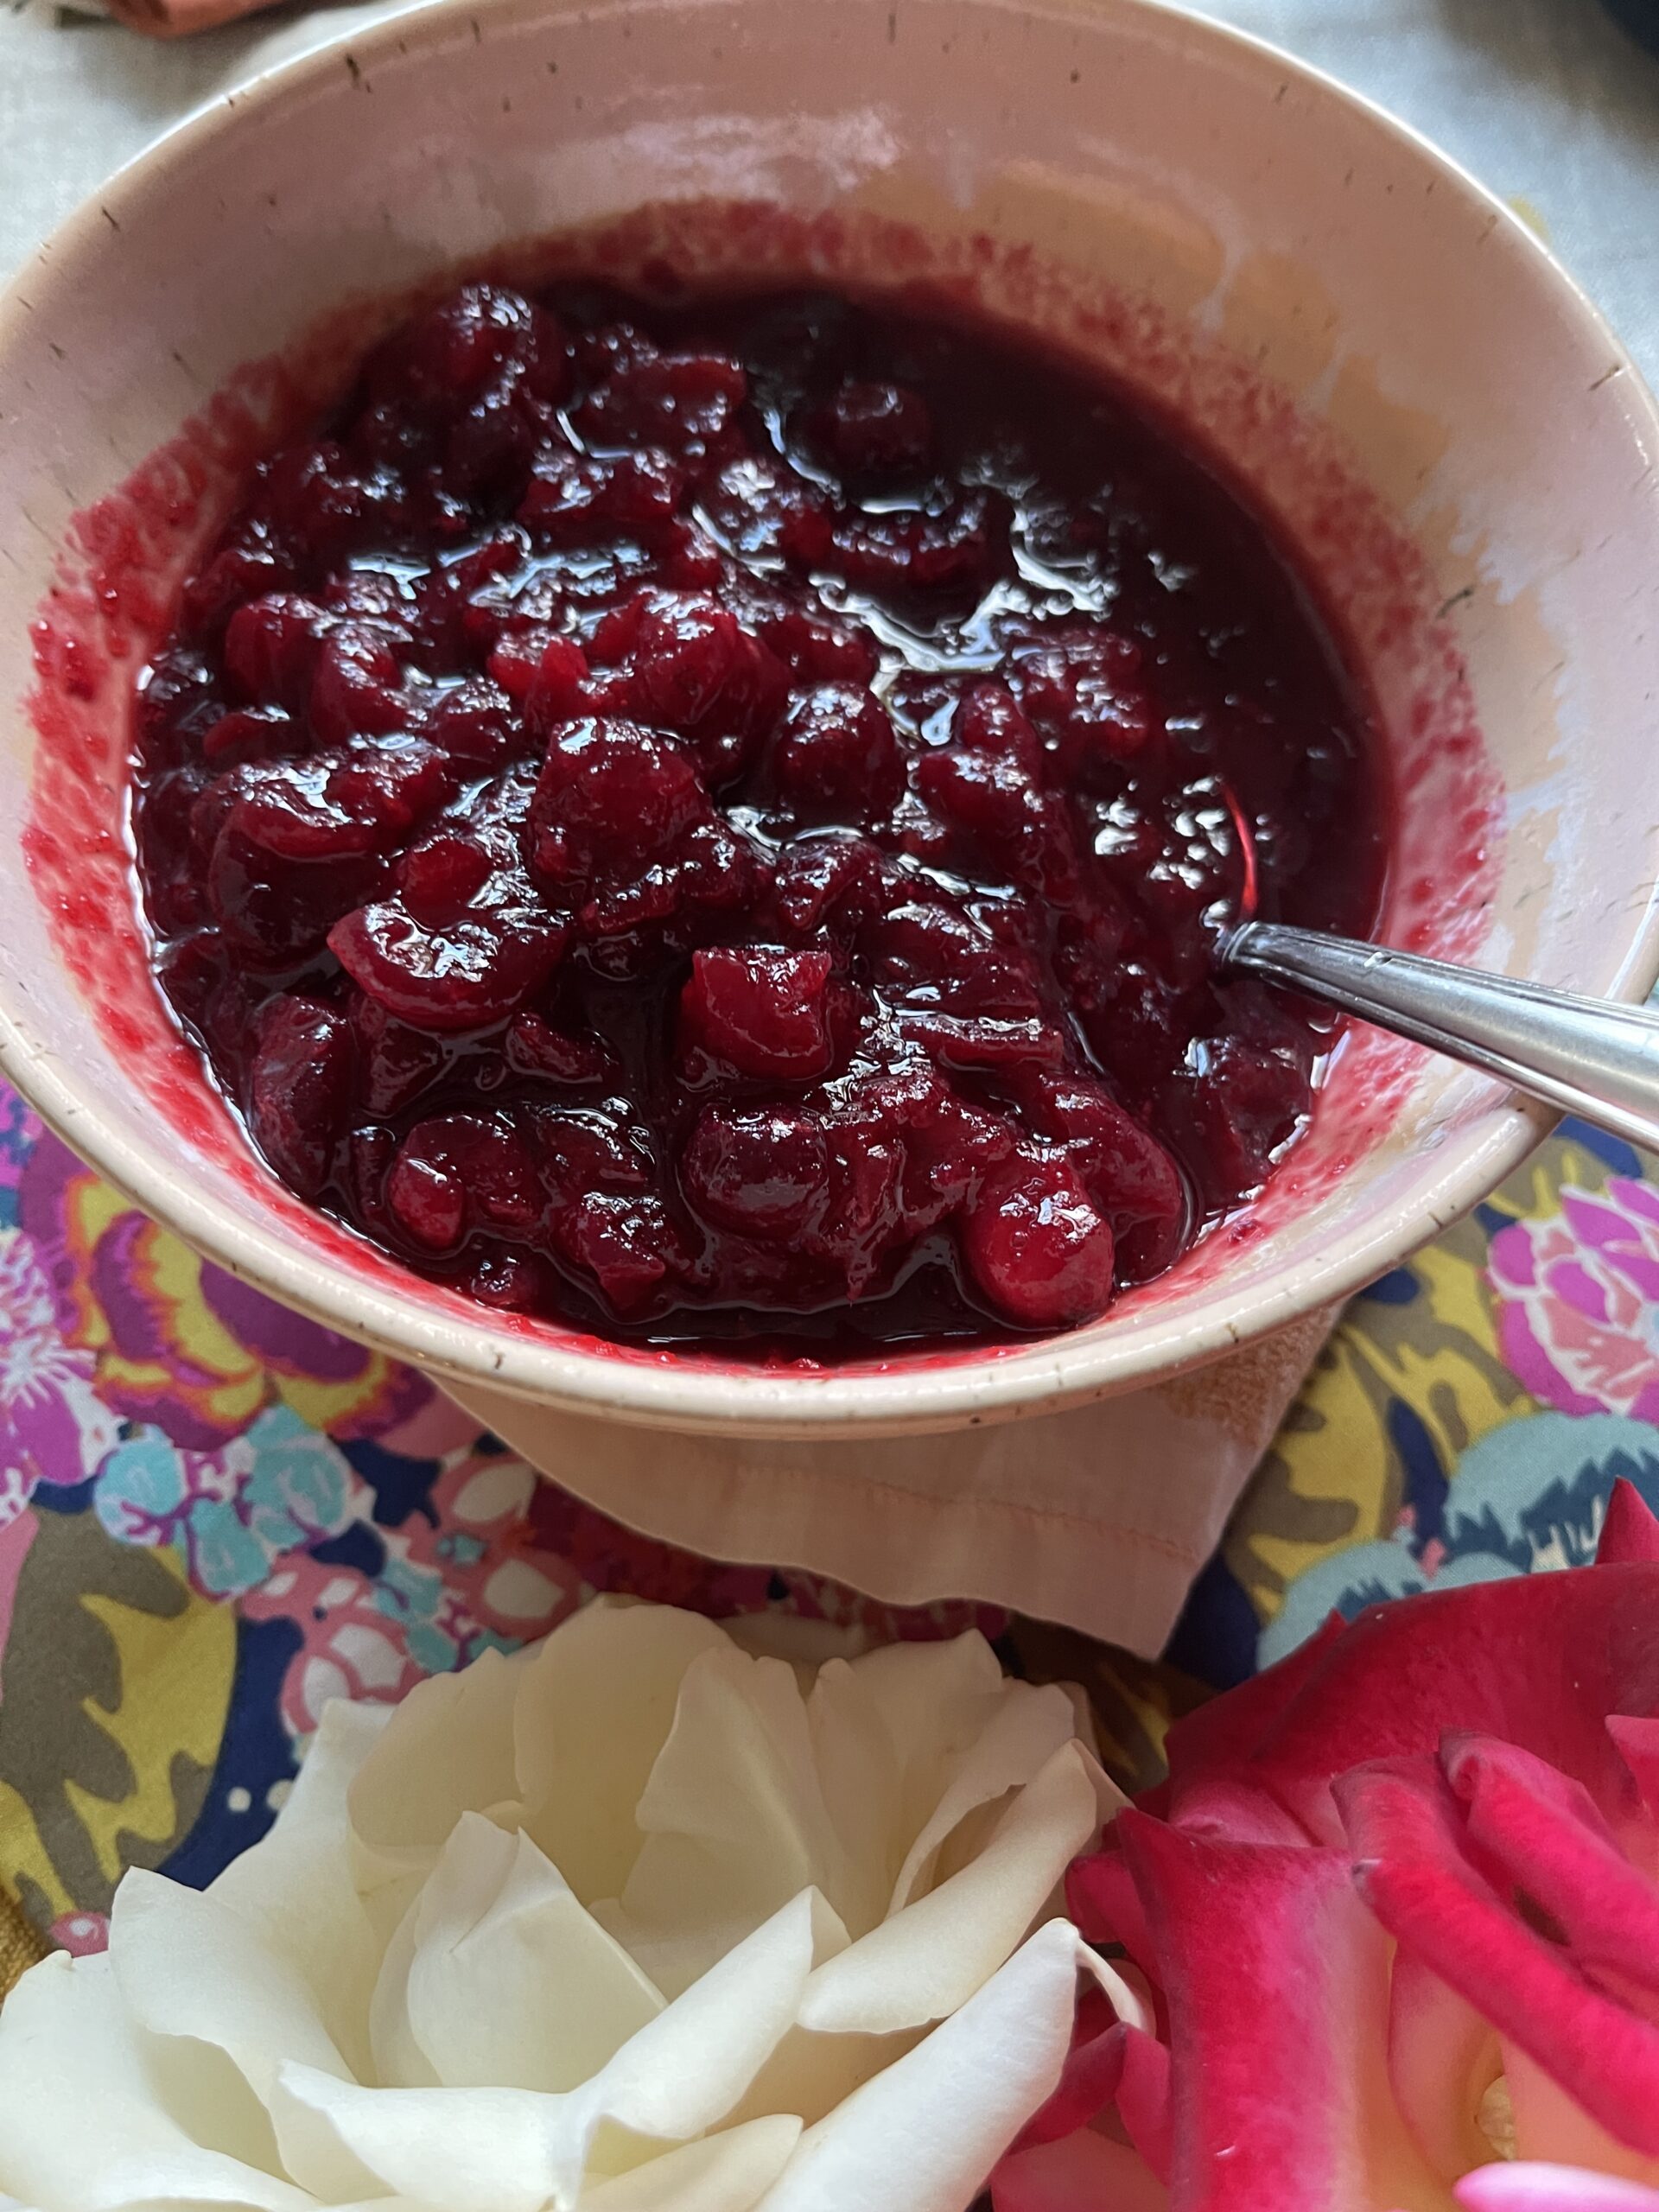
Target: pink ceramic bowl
<point x="1463" y="452"/>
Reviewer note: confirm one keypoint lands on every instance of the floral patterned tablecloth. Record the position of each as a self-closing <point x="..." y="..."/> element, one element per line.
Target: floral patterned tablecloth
<point x="214" y="1515"/>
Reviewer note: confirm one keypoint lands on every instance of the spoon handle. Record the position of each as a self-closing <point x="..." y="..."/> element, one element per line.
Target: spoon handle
<point x="1590" y="1057"/>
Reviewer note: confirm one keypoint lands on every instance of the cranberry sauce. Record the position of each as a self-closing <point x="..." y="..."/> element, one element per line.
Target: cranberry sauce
<point x="712" y="822"/>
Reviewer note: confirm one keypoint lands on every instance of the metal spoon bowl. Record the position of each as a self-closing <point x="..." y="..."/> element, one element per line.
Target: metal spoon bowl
<point x="1590" y="1057"/>
<point x="1594" y="1058"/>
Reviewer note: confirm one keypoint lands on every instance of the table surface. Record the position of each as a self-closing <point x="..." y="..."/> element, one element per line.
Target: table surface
<point x="213" y="1515"/>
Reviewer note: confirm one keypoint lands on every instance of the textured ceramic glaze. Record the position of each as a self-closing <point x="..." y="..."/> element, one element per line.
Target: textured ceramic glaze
<point x="1391" y="361"/>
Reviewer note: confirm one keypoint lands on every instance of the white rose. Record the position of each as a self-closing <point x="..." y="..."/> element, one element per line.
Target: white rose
<point x="635" y="1922"/>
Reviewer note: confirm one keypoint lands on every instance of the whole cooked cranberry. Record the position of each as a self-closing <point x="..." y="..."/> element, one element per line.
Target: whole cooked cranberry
<point x="240" y="571"/>
<point x="819" y="652"/>
<point x="580" y="1151"/>
<point x="1235" y="1104"/>
<point x="271" y="647"/>
<point x="997" y="823"/>
<point x="439" y="878"/>
<point x="990" y="723"/>
<point x="764" y="511"/>
<point x="833" y="884"/>
<point x="476" y="970"/>
<point x="1132" y="1177"/>
<point x="299" y="1089"/>
<point x="931" y="953"/>
<point x="446" y="356"/>
<point x="876" y="430"/>
<point x="515" y="1282"/>
<point x="558" y="686"/>
<point x="864" y="1222"/>
<point x="612" y="798"/>
<point x="685" y="402"/>
<point x="249" y="733"/>
<point x="179" y="700"/>
<point x="457" y="1171"/>
<point x="1038" y="1246"/>
<point x="765" y="1174"/>
<point x="357" y="687"/>
<point x="276" y="914"/>
<point x="514" y="660"/>
<point x="628" y="1245"/>
<point x="757" y="1011"/>
<point x="911" y="550"/>
<point x="949" y="1145"/>
<point x="471" y="721"/>
<point x="383" y="598"/>
<point x="835" y="758"/>
<point x="427" y="1198"/>
<point x="350" y="800"/>
<point x="573" y="498"/>
<point x="1089" y="693"/>
<point x="488" y="454"/>
<point x="395" y="1064"/>
<point x="175" y="897"/>
<point x="315" y="504"/>
<point x="685" y="664"/>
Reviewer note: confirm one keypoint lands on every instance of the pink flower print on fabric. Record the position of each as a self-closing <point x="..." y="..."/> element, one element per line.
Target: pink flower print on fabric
<point x="54" y="1427"/>
<point x="460" y="1575"/>
<point x="1578" y="1298"/>
<point x="350" y="1647"/>
<point x="80" y="1934"/>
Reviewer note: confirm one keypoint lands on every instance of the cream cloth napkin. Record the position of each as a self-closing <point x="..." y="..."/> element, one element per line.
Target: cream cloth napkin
<point x="1098" y="1519"/>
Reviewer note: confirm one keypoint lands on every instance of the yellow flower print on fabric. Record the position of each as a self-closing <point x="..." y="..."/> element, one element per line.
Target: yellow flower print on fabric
<point x="180" y="1343"/>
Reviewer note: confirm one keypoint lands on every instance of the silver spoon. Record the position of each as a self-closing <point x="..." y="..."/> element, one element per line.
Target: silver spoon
<point x="1591" y="1056"/>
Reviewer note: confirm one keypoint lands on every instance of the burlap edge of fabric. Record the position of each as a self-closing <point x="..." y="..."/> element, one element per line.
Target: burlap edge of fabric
<point x="22" y="1944"/>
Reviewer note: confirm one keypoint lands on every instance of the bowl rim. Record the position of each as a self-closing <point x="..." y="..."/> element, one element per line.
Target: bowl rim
<point x="667" y="1390"/>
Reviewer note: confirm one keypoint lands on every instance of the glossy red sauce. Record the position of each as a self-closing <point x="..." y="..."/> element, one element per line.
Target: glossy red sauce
<point x="712" y="823"/>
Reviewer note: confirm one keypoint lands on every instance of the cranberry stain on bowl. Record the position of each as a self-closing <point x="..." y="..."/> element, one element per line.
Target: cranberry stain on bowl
<point x="709" y="821"/>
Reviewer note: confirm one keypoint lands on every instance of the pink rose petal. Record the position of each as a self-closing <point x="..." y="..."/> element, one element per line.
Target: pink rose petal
<point x="1637" y="1743"/>
<point x="1443" y="2057"/>
<point x="1085" y="2173"/>
<point x="1411" y="1870"/>
<point x="1277" y="1984"/>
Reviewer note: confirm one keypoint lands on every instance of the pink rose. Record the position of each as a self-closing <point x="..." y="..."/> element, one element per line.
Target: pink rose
<point x="1398" y="1908"/>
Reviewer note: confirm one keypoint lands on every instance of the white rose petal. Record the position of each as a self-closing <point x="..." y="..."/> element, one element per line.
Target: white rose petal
<point x="930" y="1958"/>
<point x="598" y="1704"/>
<point x="510" y="1982"/>
<point x="296" y="1887"/>
<point x="212" y="2011"/>
<point x="734" y="1818"/>
<point x="449" y="1752"/>
<point x="728" y="2172"/>
<point x="496" y="2149"/>
<point x="648" y="1918"/>
<point x="928" y="2129"/>
<point x="80" y="2123"/>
